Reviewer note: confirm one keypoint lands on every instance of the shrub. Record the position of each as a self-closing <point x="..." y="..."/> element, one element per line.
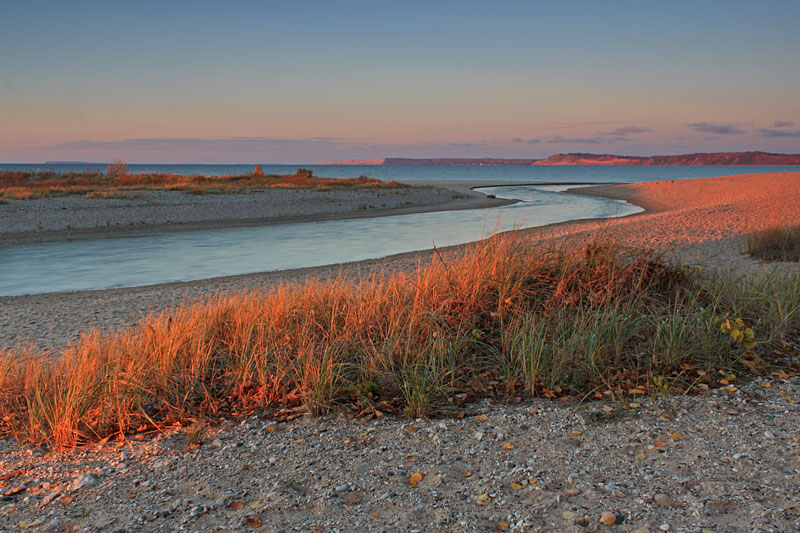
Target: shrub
<point x="775" y="244"/>
<point x="117" y="168"/>
<point x="258" y="173"/>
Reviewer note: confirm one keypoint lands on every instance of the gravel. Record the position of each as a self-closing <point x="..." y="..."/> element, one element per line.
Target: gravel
<point x="75" y="215"/>
<point x="670" y="464"/>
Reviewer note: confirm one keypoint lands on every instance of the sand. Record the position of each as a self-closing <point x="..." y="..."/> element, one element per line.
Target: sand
<point x="700" y="221"/>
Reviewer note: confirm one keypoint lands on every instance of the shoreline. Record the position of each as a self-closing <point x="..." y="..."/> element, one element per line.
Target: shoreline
<point x="465" y="197"/>
<point x="705" y="235"/>
<point x="446" y="198"/>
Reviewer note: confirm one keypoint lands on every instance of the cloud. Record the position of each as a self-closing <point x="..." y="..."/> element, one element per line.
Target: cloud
<point x="782" y="124"/>
<point x="468" y="144"/>
<point x="779" y="133"/>
<point x="583" y="124"/>
<point x="626" y="130"/>
<point x="560" y="139"/>
<point x="221" y="144"/>
<point x="718" y="129"/>
<point x="520" y="140"/>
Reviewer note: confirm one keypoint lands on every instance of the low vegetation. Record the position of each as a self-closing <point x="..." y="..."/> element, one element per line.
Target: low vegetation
<point x="26" y="185"/>
<point x="503" y="318"/>
<point x="775" y="244"/>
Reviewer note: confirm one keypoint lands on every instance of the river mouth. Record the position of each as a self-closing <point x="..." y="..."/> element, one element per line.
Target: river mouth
<point x="136" y="260"/>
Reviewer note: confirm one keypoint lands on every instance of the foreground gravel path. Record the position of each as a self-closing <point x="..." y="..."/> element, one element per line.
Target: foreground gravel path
<point x="728" y="461"/>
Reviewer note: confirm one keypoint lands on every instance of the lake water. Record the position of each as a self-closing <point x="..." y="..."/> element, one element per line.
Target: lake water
<point x="189" y="255"/>
<point x="526" y="174"/>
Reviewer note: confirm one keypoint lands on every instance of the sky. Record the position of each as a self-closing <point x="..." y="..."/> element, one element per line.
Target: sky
<point x="298" y="82"/>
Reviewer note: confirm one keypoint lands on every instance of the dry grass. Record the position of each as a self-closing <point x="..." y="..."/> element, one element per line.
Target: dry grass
<point x="775" y="244"/>
<point x="24" y="185"/>
<point x="504" y="318"/>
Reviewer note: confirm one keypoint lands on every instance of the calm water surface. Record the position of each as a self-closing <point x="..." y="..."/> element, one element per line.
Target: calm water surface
<point x="527" y="174"/>
<point x="180" y="256"/>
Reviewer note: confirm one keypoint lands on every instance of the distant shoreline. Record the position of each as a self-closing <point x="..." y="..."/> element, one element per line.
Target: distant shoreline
<point x="696" y="159"/>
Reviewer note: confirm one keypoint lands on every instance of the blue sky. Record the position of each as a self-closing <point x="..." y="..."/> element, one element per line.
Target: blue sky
<point x="297" y="82"/>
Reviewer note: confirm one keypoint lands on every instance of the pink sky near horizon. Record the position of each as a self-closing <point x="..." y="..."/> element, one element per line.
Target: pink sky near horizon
<point x="199" y="82"/>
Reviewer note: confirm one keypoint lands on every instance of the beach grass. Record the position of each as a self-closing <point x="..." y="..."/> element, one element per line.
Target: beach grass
<point x="505" y="318"/>
<point x="775" y="244"/>
<point x="26" y="185"/>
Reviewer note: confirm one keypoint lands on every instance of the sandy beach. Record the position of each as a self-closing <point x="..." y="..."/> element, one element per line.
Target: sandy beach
<point x="726" y="461"/>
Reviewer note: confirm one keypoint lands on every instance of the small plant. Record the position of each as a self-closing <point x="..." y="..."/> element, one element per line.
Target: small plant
<point x="118" y="168"/>
<point x="775" y="244"/>
<point x="258" y="173"/>
<point x="738" y="332"/>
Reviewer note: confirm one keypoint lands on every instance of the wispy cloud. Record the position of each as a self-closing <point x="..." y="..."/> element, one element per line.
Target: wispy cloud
<point x="263" y="149"/>
<point x="520" y="140"/>
<point x="468" y="144"/>
<point x="578" y="140"/>
<point x="779" y="133"/>
<point x="782" y="124"/>
<point x="718" y="129"/>
<point x="583" y="124"/>
<point x="222" y="144"/>
<point x="624" y="131"/>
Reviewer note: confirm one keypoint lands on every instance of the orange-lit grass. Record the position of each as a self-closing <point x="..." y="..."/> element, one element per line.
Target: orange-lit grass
<point x="24" y="185"/>
<point x="504" y="315"/>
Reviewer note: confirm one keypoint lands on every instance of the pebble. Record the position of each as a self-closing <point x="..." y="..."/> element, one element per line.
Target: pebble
<point x="662" y="499"/>
<point x="81" y="481"/>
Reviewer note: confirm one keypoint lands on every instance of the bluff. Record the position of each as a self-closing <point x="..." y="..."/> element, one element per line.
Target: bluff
<point x="431" y="161"/>
<point x="717" y="158"/>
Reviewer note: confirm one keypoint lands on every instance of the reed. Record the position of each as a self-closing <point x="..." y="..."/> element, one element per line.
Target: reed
<point x="503" y="317"/>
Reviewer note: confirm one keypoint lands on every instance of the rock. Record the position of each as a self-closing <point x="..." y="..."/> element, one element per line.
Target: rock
<point x="662" y="499"/>
<point x="607" y="518"/>
<point x="81" y="481"/>
<point x="566" y="515"/>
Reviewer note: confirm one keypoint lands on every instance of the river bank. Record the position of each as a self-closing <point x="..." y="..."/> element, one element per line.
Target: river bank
<point x="134" y="212"/>
<point x="698" y="221"/>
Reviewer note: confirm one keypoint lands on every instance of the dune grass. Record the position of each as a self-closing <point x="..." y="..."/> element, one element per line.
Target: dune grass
<point x="504" y="318"/>
<point x="775" y="244"/>
<point x="26" y="185"/>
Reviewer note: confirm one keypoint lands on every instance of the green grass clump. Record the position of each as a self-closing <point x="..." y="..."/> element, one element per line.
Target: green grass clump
<point x="503" y="317"/>
<point x="775" y="244"/>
